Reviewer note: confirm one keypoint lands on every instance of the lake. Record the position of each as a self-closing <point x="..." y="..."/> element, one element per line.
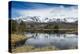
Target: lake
<point x="61" y="41"/>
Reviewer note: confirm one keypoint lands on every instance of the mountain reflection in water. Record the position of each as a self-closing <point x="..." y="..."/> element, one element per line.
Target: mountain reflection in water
<point x="61" y="41"/>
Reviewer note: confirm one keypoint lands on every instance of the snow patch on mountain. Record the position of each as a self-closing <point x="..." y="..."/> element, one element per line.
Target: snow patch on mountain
<point x="45" y="19"/>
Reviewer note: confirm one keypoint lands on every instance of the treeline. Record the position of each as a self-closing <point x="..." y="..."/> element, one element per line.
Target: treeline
<point x="17" y="27"/>
<point x="21" y="26"/>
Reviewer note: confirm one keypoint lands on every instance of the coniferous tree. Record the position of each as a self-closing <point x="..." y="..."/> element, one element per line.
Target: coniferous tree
<point x="56" y="29"/>
<point x="13" y="26"/>
<point x="22" y="27"/>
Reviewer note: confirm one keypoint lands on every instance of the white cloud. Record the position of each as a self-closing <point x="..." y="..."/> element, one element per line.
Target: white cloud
<point x="56" y="12"/>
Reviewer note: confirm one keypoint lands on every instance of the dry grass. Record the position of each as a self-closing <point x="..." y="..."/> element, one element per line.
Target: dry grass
<point x="22" y="49"/>
<point x="32" y="49"/>
<point x="16" y="38"/>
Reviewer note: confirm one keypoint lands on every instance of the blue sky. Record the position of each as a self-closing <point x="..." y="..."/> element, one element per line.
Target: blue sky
<point x="43" y="10"/>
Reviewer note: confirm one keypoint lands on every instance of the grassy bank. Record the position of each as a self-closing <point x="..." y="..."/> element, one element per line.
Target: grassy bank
<point x="16" y="38"/>
<point x="29" y="48"/>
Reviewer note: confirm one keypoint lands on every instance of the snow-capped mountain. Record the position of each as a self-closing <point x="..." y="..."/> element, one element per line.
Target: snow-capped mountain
<point x="45" y="19"/>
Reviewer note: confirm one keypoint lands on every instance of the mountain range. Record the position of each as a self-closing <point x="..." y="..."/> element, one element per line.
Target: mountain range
<point x="46" y="19"/>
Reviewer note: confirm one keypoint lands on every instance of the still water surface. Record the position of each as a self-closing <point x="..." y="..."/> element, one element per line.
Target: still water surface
<point x="61" y="41"/>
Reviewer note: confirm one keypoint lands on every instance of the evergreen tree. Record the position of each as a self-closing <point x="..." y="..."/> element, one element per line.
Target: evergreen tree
<point x="56" y="29"/>
<point x="22" y="27"/>
<point x="13" y="26"/>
